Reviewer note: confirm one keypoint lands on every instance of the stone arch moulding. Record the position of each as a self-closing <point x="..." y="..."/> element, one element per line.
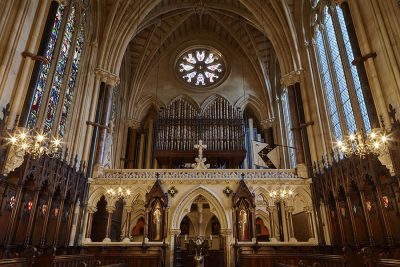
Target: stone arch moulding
<point x="261" y="111"/>
<point x="140" y="109"/>
<point x="215" y="203"/>
<point x="96" y="195"/>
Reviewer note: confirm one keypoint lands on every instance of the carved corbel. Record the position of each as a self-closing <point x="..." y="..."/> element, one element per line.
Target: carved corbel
<point x="292" y="77"/>
<point x="107" y="77"/>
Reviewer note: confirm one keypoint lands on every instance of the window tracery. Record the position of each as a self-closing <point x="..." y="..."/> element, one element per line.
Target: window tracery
<point x="340" y="80"/>
<point x="201" y="67"/>
<point x="53" y="92"/>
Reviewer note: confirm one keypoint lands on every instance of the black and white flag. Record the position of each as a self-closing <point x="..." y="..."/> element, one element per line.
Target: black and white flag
<point x="264" y="156"/>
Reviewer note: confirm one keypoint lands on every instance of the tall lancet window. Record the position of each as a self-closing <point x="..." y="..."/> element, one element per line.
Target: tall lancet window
<point x="288" y="127"/>
<point x="340" y="81"/>
<point x="51" y="93"/>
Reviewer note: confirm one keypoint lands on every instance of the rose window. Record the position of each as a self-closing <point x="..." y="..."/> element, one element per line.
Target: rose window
<point x="201" y="67"/>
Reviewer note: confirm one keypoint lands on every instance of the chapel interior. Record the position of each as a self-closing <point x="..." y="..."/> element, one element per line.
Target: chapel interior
<point x="179" y="133"/>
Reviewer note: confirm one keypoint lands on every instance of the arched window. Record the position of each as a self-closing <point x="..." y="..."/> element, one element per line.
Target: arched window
<point x="340" y="80"/>
<point x="288" y="129"/>
<point x="51" y="92"/>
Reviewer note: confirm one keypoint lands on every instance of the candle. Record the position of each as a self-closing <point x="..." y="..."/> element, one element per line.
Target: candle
<point x="185" y="237"/>
<point x="210" y="237"/>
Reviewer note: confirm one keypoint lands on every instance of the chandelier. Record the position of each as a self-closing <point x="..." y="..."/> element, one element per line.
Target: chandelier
<point x="35" y="143"/>
<point x="361" y="145"/>
<point x="118" y="192"/>
<point x="281" y="194"/>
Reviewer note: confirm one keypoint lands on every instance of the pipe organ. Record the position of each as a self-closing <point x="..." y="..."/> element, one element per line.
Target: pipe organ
<point x="219" y="125"/>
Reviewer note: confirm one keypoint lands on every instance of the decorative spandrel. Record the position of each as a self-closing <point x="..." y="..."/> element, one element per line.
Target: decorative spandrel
<point x="201" y="67"/>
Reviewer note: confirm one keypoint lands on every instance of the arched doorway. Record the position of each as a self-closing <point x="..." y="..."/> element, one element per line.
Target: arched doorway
<point x="200" y="222"/>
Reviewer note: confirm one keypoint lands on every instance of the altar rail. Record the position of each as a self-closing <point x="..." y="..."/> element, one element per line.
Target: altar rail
<point x="198" y="174"/>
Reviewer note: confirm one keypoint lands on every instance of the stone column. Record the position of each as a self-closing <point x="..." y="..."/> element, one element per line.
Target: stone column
<point x="292" y="81"/>
<point x="271" y="210"/>
<point x="289" y="222"/>
<point x="91" y="211"/>
<point x="200" y="211"/>
<point x="174" y="235"/>
<point x="133" y="125"/>
<point x="251" y="138"/>
<point x="309" y="210"/>
<point x="149" y="146"/>
<point x="141" y="152"/>
<point x="128" y="224"/>
<point x="110" y="211"/>
<point x="110" y="80"/>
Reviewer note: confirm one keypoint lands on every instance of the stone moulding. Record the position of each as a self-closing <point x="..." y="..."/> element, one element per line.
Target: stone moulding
<point x="196" y="174"/>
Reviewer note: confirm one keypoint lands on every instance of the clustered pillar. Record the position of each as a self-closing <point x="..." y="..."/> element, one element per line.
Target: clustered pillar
<point x="110" y="81"/>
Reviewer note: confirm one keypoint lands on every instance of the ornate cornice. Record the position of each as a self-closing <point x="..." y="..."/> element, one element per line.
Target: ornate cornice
<point x="107" y="77"/>
<point x="292" y="77"/>
<point x="189" y="174"/>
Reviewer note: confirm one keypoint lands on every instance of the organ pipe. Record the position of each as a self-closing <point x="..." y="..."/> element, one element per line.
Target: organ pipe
<point x="180" y="126"/>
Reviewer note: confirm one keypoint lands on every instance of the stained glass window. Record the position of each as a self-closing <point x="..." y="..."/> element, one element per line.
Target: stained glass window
<point x="337" y="77"/>
<point x="71" y="82"/>
<point x="288" y="127"/>
<point x="201" y="67"/>
<point x="59" y="73"/>
<point x="44" y="70"/>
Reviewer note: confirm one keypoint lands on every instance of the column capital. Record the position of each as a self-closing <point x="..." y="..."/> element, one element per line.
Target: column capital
<point x="267" y="123"/>
<point x="174" y="232"/>
<point x="110" y="209"/>
<point x="92" y="209"/>
<point x="308" y="209"/>
<point x="226" y="232"/>
<point x="133" y="123"/>
<point x="292" y="77"/>
<point x="107" y="77"/>
<point x="289" y="208"/>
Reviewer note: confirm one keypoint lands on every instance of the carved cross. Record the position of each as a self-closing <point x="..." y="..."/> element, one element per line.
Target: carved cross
<point x="200" y="147"/>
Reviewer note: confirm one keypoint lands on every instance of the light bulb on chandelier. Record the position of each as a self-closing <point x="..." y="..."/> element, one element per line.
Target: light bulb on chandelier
<point x="35" y="143"/>
<point x="118" y="192"/>
<point x="361" y="145"/>
<point x="281" y="194"/>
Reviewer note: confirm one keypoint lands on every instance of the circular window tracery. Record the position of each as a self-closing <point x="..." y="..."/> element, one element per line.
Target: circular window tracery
<point x="201" y="67"/>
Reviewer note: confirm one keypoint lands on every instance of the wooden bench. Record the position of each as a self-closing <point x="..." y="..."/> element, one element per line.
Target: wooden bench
<point x="115" y="265"/>
<point x="386" y="262"/>
<point x="19" y="262"/>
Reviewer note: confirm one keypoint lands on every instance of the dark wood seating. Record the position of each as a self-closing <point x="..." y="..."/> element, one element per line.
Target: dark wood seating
<point x="115" y="265"/>
<point x="386" y="262"/>
<point x="19" y="262"/>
